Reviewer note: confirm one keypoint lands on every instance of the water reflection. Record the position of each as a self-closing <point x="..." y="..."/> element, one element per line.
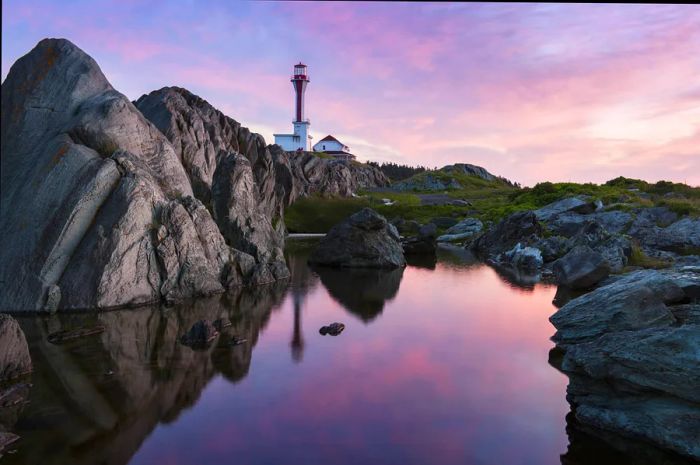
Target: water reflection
<point x="455" y="371"/>
<point x="363" y="292"/>
<point x="95" y="399"/>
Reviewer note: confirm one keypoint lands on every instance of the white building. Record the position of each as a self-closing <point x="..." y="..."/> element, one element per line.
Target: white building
<point x="333" y="147"/>
<point x="300" y="139"/>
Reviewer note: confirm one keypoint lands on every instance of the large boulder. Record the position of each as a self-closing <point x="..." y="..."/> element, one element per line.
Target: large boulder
<point x="14" y="352"/>
<point x="581" y="268"/>
<point x="521" y="227"/>
<point x="363" y="240"/>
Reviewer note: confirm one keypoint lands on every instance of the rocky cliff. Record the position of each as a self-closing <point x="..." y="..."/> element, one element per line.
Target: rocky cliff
<point x="104" y="207"/>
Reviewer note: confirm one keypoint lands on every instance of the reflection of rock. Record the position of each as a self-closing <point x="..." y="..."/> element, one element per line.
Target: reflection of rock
<point x="363" y="292"/>
<point x="589" y="445"/>
<point x="200" y="335"/>
<point x="14" y="353"/>
<point x="109" y="391"/>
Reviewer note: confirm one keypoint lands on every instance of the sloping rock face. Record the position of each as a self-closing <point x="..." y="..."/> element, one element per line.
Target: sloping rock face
<point x="97" y="208"/>
<point x="364" y="240"/>
<point x="631" y="350"/>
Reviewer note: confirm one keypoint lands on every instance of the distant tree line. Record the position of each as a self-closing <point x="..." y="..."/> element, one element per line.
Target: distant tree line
<point x="397" y="172"/>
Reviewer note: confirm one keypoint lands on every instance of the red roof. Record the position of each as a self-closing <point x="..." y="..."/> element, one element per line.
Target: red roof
<point x="300" y="64"/>
<point x="330" y="138"/>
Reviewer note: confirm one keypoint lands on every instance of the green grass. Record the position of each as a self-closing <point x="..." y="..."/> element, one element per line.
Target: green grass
<point x="491" y="201"/>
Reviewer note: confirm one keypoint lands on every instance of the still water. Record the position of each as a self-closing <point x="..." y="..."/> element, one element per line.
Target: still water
<point x="440" y="363"/>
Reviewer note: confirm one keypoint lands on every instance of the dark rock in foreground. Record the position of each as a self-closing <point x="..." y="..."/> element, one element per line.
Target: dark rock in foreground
<point x="363" y="240"/>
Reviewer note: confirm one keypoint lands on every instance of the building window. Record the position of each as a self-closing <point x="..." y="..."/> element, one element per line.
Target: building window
<point x="324" y="147"/>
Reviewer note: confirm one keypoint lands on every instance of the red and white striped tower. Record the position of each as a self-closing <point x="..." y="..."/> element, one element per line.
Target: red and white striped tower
<point x="299" y="81"/>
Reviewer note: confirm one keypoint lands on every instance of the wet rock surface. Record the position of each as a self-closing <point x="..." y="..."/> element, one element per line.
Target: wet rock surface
<point x="363" y="240"/>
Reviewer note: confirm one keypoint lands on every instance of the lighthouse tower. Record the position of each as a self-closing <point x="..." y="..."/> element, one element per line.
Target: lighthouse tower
<point x="300" y="140"/>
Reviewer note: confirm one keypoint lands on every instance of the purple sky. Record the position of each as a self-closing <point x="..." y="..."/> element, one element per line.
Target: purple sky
<point x="532" y="92"/>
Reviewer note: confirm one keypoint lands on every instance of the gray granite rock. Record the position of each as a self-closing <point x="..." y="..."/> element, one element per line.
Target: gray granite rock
<point x="363" y="240"/>
<point x="581" y="268"/>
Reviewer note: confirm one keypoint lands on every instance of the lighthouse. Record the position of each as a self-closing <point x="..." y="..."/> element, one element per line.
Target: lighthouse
<point x="300" y="140"/>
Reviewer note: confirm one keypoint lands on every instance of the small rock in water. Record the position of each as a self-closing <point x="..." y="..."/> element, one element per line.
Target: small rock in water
<point x="69" y="334"/>
<point x="333" y="329"/>
<point x="200" y="335"/>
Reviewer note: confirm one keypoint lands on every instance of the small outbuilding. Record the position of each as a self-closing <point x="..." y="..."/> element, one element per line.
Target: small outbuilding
<point x="333" y="147"/>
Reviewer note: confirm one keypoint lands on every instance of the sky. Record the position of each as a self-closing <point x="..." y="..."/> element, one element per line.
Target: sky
<point x="532" y="92"/>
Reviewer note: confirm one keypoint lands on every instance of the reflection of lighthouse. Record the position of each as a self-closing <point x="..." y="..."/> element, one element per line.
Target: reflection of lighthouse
<point x="298" y="338"/>
<point x="300" y="140"/>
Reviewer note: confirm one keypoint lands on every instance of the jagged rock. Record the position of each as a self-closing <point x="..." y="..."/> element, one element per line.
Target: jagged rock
<point x="523" y="258"/>
<point x="614" y="248"/>
<point x="14" y="352"/>
<point x="570" y="204"/>
<point x="93" y="178"/>
<point x="245" y="182"/>
<point x="635" y="301"/>
<point x="236" y="210"/>
<point x="333" y="329"/>
<point x="365" y="239"/>
<point x="581" y="268"/>
<point x="521" y="227"/>
<point x="200" y="334"/>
